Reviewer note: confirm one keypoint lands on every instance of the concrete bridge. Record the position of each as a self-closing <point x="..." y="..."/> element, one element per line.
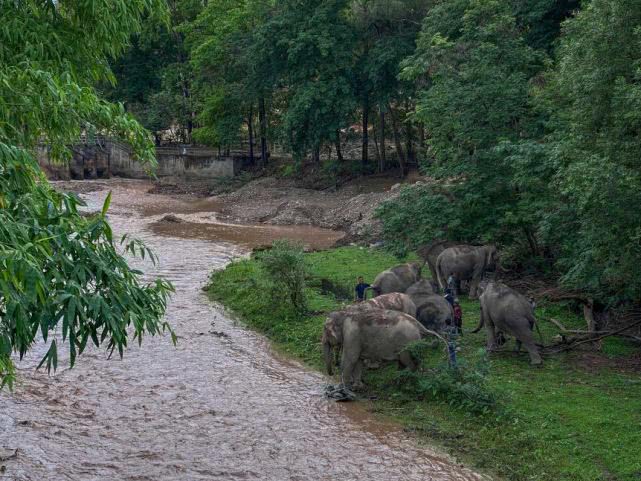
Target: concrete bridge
<point x="102" y="158"/>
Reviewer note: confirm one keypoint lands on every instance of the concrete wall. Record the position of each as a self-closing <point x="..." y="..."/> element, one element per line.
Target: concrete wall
<point x="88" y="161"/>
<point x="195" y="163"/>
<point x="108" y="157"/>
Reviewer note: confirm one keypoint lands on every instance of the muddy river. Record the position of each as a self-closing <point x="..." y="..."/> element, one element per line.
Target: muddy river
<point x="220" y="405"/>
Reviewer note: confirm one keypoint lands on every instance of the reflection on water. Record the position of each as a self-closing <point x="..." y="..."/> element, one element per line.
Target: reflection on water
<point x="217" y="406"/>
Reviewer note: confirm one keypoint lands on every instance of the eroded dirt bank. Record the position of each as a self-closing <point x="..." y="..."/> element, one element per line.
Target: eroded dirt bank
<point x="220" y="405"/>
<point x="277" y="201"/>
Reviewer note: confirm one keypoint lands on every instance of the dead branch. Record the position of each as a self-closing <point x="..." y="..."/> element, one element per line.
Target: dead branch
<point x="573" y="343"/>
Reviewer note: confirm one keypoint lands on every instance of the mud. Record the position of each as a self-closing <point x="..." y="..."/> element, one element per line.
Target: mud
<point x="219" y="405"/>
<point x="350" y="208"/>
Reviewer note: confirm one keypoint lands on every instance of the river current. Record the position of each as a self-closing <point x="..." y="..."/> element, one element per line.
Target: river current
<point x="221" y="405"/>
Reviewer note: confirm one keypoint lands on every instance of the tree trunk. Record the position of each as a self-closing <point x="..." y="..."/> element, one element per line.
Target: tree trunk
<point x="376" y="149"/>
<point x="397" y="141"/>
<point x="382" y="160"/>
<point x="339" y="152"/>
<point x="421" y="138"/>
<point x="250" y="129"/>
<point x="588" y="314"/>
<point x="316" y="155"/>
<point x="263" y="131"/>
<point x="409" y="143"/>
<point x="531" y="239"/>
<point x="365" y="149"/>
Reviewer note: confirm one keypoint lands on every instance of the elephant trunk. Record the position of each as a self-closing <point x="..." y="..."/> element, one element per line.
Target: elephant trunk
<point x="327" y="353"/>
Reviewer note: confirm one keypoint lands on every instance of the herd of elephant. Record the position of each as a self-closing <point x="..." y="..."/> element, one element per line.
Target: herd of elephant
<point x="407" y="308"/>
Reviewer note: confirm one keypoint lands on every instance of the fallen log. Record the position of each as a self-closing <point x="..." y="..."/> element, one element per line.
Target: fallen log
<point x="591" y="337"/>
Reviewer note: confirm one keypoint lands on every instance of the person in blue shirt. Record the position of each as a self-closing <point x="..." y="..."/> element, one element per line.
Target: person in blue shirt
<point x="361" y="287"/>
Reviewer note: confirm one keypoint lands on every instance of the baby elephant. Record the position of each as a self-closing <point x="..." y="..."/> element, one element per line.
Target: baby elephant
<point x="432" y="310"/>
<point x="396" y="279"/>
<point x="372" y="334"/>
<point x="505" y="310"/>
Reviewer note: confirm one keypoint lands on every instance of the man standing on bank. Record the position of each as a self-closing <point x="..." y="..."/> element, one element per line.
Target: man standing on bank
<point x="361" y="288"/>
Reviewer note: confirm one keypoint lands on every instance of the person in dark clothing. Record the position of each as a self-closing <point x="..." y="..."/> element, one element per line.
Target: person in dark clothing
<point x="452" y="284"/>
<point x="449" y="298"/>
<point x="458" y="316"/>
<point x="361" y="288"/>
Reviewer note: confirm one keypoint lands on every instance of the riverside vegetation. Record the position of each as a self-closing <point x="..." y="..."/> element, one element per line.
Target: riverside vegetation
<point x="524" y="115"/>
<point x="563" y="420"/>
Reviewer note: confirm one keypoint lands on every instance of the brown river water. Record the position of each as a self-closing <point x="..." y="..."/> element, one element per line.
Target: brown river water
<point x="221" y="405"/>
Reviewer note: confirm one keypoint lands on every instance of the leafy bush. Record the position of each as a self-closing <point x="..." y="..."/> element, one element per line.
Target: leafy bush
<point x="284" y="265"/>
<point x="464" y="386"/>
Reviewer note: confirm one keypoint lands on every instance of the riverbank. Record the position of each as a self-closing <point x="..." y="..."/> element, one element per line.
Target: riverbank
<point x="575" y="418"/>
<point x="273" y="199"/>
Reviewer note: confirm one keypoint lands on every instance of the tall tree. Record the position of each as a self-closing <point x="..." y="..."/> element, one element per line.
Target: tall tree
<point x="478" y="66"/>
<point x="386" y="34"/>
<point x="231" y="78"/>
<point x="154" y="76"/>
<point x="594" y="94"/>
<point x="309" y="45"/>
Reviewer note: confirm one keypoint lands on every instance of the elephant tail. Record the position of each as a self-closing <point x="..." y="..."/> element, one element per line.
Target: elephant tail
<point x="481" y="323"/>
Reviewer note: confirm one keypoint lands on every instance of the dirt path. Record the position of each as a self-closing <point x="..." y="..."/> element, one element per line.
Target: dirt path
<point x="220" y="405"/>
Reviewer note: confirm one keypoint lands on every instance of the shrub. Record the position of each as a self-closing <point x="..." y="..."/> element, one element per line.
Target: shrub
<point x="464" y="386"/>
<point x="284" y="266"/>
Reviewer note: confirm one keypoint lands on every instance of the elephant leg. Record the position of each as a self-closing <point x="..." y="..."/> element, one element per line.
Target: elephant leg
<point x="491" y="336"/>
<point x="517" y="349"/>
<point x="527" y="339"/>
<point x="405" y="360"/>
<point x="535" y="357"/>
<point x="490" y="330"/>
<point x="349" y="362"/>
<point x="357" y="374"/>
<point x="474" y="287"/>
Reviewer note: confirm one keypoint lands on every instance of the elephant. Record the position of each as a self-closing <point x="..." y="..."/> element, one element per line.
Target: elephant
<point x="430" y="252"/>
<point x="396" y="279"/>
<point x="432" y="310"/>
<point x="395" y="301"/>
<point x="503" y="310"/>
<point x="369" y="334"/>
<point x="467" y="263"/>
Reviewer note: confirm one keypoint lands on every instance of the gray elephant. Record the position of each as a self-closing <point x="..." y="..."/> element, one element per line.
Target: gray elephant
<point x="369" y="334"/>
<point x="396" y="279"/>
<point x="503" y="310"/>
<point x="432" y="310"/>
<point x="429" y="253"/>
<point x="394" y="301"/>
<point x="467" y="263"/>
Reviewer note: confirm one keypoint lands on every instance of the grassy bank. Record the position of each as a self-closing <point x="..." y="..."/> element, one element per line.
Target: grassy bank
<point x="575" y="418"/>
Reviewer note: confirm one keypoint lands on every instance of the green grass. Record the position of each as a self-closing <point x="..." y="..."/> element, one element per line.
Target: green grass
<point x="562" y="421"/>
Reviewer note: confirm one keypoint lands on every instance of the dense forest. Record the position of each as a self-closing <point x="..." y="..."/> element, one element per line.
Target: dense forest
<point x="525" y="115"/>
